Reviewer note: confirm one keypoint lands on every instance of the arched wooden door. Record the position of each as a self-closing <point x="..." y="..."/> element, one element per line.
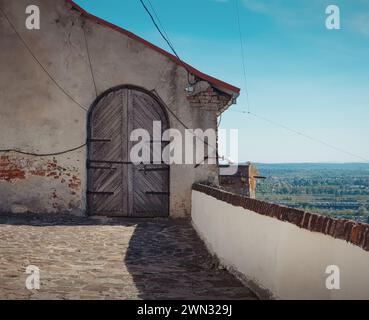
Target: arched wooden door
<point x="116" y="186"/>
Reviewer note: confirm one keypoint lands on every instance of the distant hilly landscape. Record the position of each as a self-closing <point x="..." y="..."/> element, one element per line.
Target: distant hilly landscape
<point x="314" y="166"/>
<point x="338" y="189"/>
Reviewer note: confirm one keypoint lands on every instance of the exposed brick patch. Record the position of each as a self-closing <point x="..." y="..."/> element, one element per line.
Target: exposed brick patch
<point x="210" y="98"/>
<point x="350" y="231"/>
<point x="15" y="169"/>
<point x="10" y="171"/>
<point x="74" y="183"/>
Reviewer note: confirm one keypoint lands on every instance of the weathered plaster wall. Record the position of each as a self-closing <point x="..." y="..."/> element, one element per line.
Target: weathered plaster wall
<point x="39" y="183"/>
<point x="37" y="117"/>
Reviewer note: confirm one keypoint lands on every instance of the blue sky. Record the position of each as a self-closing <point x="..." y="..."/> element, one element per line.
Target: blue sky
<point x="299" y="73"/>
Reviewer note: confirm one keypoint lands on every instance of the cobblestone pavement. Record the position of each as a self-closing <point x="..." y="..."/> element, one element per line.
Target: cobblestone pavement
<point x="100" y="258"/>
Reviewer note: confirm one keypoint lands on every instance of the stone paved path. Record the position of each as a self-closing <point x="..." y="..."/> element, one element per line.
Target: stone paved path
<point x="83" y="258"/>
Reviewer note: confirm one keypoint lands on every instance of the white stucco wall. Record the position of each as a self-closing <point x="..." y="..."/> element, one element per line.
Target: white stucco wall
<point x="288" y="261"/>
<point x="37" y="117"/>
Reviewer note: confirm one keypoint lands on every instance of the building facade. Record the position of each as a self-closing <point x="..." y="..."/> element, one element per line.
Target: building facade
<point x="71" y="93"/>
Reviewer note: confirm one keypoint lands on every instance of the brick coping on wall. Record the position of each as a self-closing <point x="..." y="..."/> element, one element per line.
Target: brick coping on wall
<point x="350" y="231"/>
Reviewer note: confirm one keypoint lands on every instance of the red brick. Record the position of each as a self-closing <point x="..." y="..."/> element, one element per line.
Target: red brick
<point x="356" y="233"/>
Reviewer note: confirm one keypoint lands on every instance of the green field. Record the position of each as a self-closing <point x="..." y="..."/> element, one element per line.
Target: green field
<point x="341" y="190"/>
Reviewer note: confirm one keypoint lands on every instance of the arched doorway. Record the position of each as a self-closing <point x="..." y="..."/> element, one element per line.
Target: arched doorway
<point x="116" y="186"/>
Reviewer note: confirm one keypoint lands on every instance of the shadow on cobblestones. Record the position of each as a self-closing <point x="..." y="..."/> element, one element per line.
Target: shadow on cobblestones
<point x="110" y="258"/>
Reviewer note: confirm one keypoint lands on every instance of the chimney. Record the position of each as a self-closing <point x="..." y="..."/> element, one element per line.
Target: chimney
<point x="242" y="182"/>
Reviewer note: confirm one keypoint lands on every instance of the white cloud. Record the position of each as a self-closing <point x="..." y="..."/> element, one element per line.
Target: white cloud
<point x="288" y="12"/>
<point x="359" y="23"/>
<point x="305" y="13"/>
<point x="256" y="6"/>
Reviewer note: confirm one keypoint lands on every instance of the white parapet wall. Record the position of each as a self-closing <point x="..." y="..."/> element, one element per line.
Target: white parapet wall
<point x="287" y="261"/>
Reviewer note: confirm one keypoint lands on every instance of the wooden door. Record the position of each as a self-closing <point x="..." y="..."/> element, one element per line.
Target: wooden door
<point x="116" y="186"/>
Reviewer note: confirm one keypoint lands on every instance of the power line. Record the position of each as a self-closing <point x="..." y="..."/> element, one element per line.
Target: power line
<point x="159" y="22"/>
<point x="167" y="40"/>
<point x="44" y="154"/>
<point x="192" y="132"/>
<point x="303" y="135"/>
<point x="39" y="62"/>
<point x="243" y="55"/>
<point x="164" y="35"/>
<point x="89" y="60"/>
<point x="159" y="30"/>
<point x="56" y="83"/>
<point x="271" y="121"/>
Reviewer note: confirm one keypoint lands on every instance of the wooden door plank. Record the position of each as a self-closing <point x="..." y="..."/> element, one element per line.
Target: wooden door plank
<point x="105" y="145"/>
<point x="145" y="110"/>
<point x="130" y="176"/>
